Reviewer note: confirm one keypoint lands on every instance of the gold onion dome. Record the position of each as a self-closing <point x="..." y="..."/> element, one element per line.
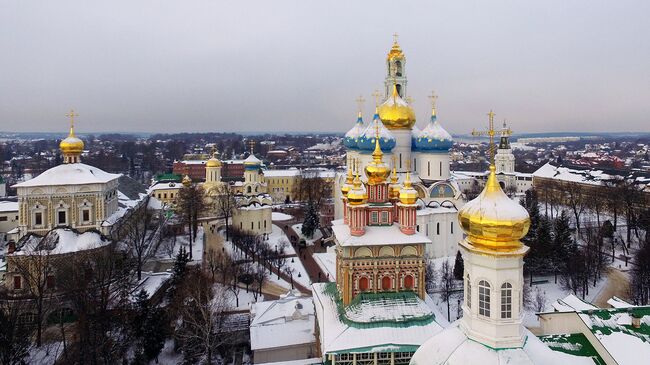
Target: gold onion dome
<point x="357" y="195"/>
<point x="186" y="180"/>
<point x="394" y="187"/>
<point x="492" y="220"/>
<point x="396" y="113"/>
<point x="407" y="194"/>
<point x="213" y="161"/>
<point x="395" y="52"/>
<point x="377" y="171"/>
<point x="349" y="180"/>
<point x="71" y="145"/>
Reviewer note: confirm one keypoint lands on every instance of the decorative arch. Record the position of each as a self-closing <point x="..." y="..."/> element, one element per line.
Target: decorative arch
<point x="442" y="190"/>
<point x="363" y="252"/>
<point x="386" y="283"/>
<point x="386" y="251"/>
<point x="409" y="251"/>
<point x="363" y="283"/>
<point x="409" y="282"/>
<point x="421" y="191"/>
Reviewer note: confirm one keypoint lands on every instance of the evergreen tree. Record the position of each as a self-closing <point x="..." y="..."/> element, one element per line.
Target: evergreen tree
<point x="561" y="243"/>
<point x="459" y="267"/>
<point x="149" y="328"/>
<point x="311" y="222"/>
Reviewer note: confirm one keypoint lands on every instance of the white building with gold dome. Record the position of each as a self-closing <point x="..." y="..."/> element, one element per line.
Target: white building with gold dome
<point x="254" y="204"/>
<point x="424" y="152"/>
<point x="491" y="329"/>
<point x="72" y="194"/>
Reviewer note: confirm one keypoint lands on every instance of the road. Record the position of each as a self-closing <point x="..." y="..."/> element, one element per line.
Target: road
<point x="617" y="285"/>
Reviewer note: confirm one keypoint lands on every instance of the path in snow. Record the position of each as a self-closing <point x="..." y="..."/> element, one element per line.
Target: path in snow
<point x="617" y="285"/>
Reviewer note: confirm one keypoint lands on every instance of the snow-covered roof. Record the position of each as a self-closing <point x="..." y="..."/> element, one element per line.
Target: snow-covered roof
<point x="375" y="235"/>
<point x="8" y="206"/>
<point x="617" y="302"/>
<point x="60" y="241"/>
<point x="288" y="321"/>
<point x="252" y="160"/>
<point x="281" y="173"/>
<point x="452" y="346"/>
<point x="572" y="303"/>
<point x="339" y="335"/>
<point x="566" y="174"/>
<point x="70" y="174"/>
<point x="151" y="282"/>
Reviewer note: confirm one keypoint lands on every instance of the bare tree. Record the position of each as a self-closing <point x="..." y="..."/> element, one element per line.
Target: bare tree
<point x="312" y="187"/>
<point x="260" y="278"/>
<point x="14" y="335"/>
<point x="143" y="235"/>
<point x="190" y="206"/>
<point x="201" y="318"/>
<point x="539" y="302"/>
<point x="34" y="265"/>
<point x="430" y="275"/>
<point x="447" y="284"/>
<point x="576" y="199"/>
<point x="225" y="204"/>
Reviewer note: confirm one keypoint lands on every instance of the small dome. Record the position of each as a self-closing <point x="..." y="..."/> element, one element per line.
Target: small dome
<point x="71" y="145"/>
<point x="377" y="171"/>
<point x="396" y="113"/>
<point x="394" y="188"/>
<point x="492" y="220"/>
<point x="352" y="136"/>
<point x="433" y="137"/>
<point x="252" y="162"/>
<point x="415" y="132"/>
<point x="407" y="194"/>
<point x="366" y="141"/>
<point x="395" y="52"/>
<point x="213" y="161"/>
<point x="186" y="180"/>
<point x="357" y="194"/>
<point x="345" y="188"/>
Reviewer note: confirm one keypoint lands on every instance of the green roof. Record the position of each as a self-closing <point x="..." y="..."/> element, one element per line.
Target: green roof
<point x="169" y="177"/>
<point x="574" y="344"/>
<point x="404" y="300"/>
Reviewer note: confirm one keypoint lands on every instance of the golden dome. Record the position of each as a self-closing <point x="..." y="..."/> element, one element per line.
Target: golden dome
<point x="395" y="52"/>
<point x="395" y="113"/>
<point x="71" y="145"/>
<point x="186" y="180"/>
<point x="377" y="171"/>
<point x="492" y="220"/>
<point x="394" y="187"/>
<point x="345" y="188"/>
<point x="408" y="195"/>
<point x="213" y="161"/>
<point x="357" y="195"/>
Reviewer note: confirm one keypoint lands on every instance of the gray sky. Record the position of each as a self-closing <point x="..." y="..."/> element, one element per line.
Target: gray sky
<point x="169" y="66"/>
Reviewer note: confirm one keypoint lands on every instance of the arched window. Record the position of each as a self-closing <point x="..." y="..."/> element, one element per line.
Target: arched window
<point x="506" y="300"/>
<point x="386" y="283"/>
<point x="363" y="283"/>
<point x="469" y="293"/>
<point x="408" y="282"/>
<point x="452" y="227"/>
<point x="484" y="298"/>
<point x="248" y="189"/>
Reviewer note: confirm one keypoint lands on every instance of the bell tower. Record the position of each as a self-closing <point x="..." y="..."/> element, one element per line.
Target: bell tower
<point x="396" y="70"/>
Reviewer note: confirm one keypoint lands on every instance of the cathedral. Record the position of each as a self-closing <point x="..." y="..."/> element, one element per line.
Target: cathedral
<point x="424" y="153"/>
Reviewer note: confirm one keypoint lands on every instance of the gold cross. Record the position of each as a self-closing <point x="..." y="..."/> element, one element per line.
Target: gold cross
<point x="395" y="38"/>
<point x="376" y="94"/>
<point x="490" y="133"/>
<point x="360" y="100"/>
<point x="71" y="115"/>
<point x="433" y="97"/>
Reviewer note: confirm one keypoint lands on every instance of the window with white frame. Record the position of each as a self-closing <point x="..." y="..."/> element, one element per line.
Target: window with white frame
<point x="506" y="300"/>
<point x="484" y="298"/>
<point x="384" y="217"/>
<point x="374" y="217"/>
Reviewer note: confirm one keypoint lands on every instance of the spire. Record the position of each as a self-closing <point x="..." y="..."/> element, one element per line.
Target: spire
<point x="377" y="154"/>
<point x="71" y="115"/>
<point x="360" y="100"/>
<point x="434" y="98"/>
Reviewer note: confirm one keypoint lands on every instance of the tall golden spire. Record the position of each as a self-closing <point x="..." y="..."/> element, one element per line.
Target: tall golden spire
<point x="377" y="171"/>
<point x="408" y="195"/>
<point x="434" y="98"/>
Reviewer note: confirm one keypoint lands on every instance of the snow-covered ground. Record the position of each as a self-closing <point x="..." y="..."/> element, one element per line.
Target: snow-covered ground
<point x="299" y="273"/>
<point x="277" y="216"/>
<point x="245" y="298"/>
<point x="182" y="240"/>
<point x="310" y="241"/>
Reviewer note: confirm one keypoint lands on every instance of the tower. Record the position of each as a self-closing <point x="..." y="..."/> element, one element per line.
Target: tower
<point x="504" y="160"/>
<point x="71" y="147"/>
<point x="395" y="70"/>
<point x="213" y="170"/>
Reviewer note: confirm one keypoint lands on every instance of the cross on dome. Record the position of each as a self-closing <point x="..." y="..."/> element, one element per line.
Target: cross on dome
<point x="360" y="100"/>
<point x="490" y="133"/>
<point x="71" y="115"/>
<point x="377" y="95"/>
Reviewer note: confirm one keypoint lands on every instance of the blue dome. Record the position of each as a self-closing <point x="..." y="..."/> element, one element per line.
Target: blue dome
<point x="366" y="142"/>
<point x="414" y="136"/>
<point x="433" y="138"/>
<point x="352" y="136"/>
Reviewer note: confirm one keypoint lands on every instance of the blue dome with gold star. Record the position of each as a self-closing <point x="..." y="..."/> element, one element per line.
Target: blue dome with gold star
<point x="352" y="136"/>
<point x="366" y="142"/>
<point x="433" y="138"/>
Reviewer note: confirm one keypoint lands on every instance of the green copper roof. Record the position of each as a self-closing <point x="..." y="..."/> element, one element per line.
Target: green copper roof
<point x="411" y="314"/>
<point x="574" y="344"/>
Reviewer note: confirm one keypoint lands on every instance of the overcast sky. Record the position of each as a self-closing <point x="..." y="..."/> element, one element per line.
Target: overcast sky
<point x="170" y="66"/>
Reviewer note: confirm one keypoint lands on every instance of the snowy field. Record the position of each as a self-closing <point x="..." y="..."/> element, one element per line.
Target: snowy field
<point x="168" y="249"/>
<point x="277" y="216"/>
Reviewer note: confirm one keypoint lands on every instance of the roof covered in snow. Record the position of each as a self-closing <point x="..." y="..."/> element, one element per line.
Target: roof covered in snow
<point x="60" y="241"/>
<point x="8" y="206"/>
<point x="389" y="330"/>
<point x="70" y="174"/>
<point x="288" y="321"/>
<point x="375" y="235"/>
<point x="452" y="346"/>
